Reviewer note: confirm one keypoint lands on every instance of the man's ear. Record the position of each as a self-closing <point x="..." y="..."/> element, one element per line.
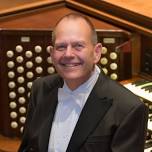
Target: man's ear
<point x="51" y="49"/>
<point x="97" y="52"/>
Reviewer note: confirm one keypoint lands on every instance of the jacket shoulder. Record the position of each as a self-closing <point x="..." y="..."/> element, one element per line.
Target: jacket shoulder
<point x="121" y="96"/>
<point x="49" y="81"/>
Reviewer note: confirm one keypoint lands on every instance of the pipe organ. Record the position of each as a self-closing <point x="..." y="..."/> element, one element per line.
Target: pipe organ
<point x="24" y="57"/>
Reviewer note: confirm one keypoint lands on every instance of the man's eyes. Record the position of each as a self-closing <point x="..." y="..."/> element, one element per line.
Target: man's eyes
<point x="75" y="46"/>
<point x="60" y="47"/>
<point x="78" y="46"/>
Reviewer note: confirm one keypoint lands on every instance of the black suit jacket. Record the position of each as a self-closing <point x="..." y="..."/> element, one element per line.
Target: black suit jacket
<point x="112" y="120"/>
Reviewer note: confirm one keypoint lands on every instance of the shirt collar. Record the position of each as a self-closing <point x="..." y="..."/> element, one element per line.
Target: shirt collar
<point x="82" y="92"/>
<point x="86" y="85"/>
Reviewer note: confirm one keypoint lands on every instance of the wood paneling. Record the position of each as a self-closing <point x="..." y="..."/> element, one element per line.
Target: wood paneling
<point x="119" y="16"/>
<point x="9" y="144"/>
<point x="138" y="6"/>
<point x="8" y="8"/>
<point x="45" y="18"/>
<point x="5" y="5"/>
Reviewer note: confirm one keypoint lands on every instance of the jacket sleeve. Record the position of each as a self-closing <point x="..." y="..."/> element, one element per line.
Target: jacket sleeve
<point x="130" y="135"/>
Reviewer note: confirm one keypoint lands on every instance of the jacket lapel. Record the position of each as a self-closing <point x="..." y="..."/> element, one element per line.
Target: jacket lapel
<point x="50" y="106"/>
<point x="51" y="103"/>
<point x="93" y="112"/>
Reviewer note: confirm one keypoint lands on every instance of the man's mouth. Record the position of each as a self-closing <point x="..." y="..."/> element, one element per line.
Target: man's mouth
<point x="70" y="64"/>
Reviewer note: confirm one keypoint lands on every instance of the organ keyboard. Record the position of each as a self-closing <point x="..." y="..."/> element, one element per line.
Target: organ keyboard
<point x="142" y="88"/>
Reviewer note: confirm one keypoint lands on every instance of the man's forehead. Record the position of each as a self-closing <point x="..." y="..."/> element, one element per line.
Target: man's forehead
<point x="72" y="28"/>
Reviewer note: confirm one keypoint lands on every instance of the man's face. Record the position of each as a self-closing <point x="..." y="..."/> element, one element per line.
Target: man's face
<point x="74" y="54"/>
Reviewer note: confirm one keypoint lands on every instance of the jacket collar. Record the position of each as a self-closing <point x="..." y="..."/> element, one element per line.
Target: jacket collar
<point x="53" y="83"/>
<point x="45" y="130"/>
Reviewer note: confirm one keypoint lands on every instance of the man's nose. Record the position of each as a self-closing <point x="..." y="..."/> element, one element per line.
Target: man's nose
<point x="69" y="51"/>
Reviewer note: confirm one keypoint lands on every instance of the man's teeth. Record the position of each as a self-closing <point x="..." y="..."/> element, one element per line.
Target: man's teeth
<point x="70" y="65"/>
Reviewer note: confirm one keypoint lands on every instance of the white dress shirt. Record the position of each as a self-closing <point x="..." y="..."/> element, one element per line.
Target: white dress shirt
<point x="70" y="105"/>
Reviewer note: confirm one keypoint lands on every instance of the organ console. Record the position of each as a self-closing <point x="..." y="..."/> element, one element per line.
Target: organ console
<point x="24" y="53"/>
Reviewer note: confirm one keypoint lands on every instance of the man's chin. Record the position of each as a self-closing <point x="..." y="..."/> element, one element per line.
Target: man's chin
<point x="72" y="78"/>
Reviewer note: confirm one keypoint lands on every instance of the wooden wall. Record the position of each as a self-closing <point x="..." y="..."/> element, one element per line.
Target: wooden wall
<point x="44" y="18"/>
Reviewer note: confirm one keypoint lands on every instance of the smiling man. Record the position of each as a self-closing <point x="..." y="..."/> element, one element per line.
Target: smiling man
<point x="75" y="52"/>
<point x="80" y="109"/>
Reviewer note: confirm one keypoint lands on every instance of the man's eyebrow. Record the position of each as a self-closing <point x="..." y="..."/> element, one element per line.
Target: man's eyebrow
<point x="73" y="42"/>
<point x="79" y="42"/>
<point x="61" y="43"/>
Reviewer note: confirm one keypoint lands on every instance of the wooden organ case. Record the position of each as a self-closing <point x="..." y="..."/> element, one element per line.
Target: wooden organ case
<point x="24" y="57"/>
